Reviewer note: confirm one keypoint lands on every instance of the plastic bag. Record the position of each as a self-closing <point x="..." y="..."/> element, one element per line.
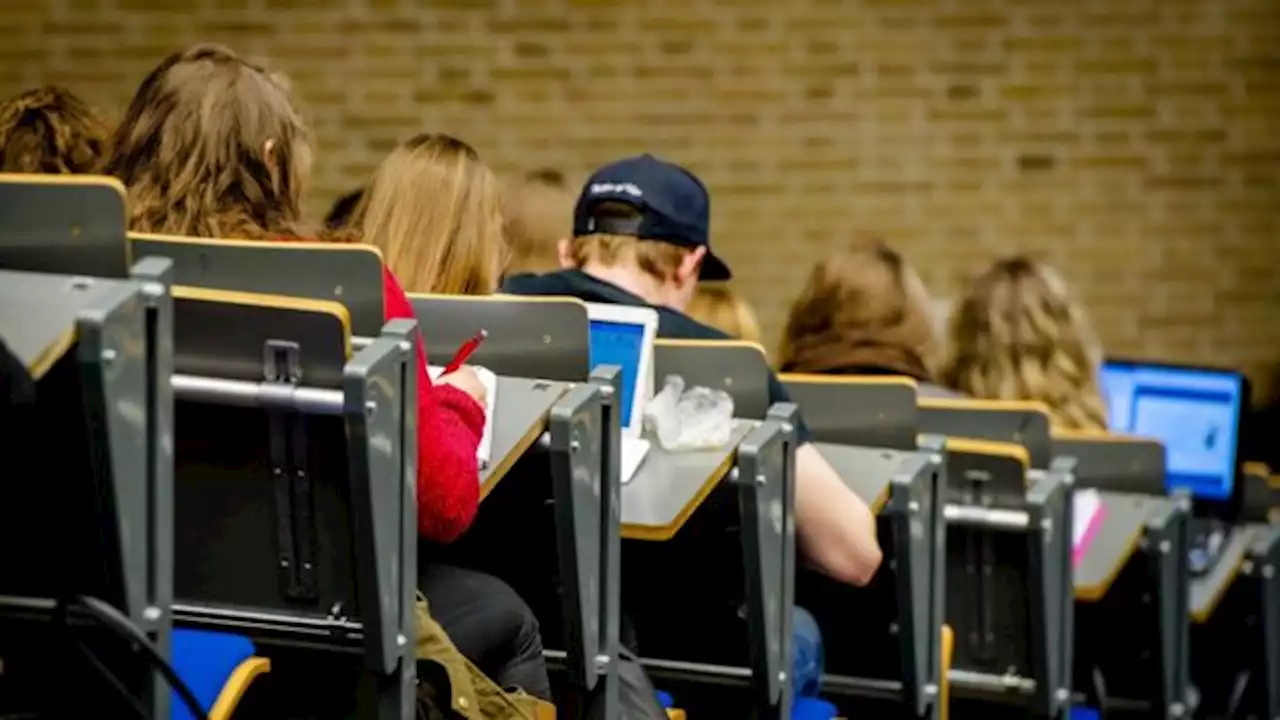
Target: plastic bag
<point x="694" y="419"/>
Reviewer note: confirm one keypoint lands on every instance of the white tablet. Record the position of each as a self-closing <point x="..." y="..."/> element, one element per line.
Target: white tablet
<point x="624" y="336"/>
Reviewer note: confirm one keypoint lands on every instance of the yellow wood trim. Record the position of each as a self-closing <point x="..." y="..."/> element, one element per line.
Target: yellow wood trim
<point x="274" y="244"/>
<point x="674" y="714"/>
<point x="236" y="687"/>
<point x="44" y="361"/>
<point x="1094" y="593"/>
<point x="103" y="181"/>
<point x="662" y="533"/>
<point x="974" y="446"/>
<point x="509" y="461"/>
<point x="1258" y="469"/>
<point x="878" y="504"/>
<point x="1274" y="481"/>
<point x="1207" y="612"/>
<point x="946" y="403"/>
<point x="502" y="297"/>
<point x="819" y="379"/>
<point x="946" y="649"/>
<point x="279" y="302"/>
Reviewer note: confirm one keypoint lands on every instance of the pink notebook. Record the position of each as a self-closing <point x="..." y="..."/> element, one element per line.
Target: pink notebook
<point x="1087" y="520"/>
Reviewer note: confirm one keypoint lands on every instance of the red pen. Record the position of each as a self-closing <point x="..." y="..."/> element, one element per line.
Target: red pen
<point x="466" y="351"/>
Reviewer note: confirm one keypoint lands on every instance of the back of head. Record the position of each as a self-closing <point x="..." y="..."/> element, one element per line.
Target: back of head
<point x="49" y="130"/>
<point x="435" y="210"/>
<point x="1018" y="334"/>
<point x="212" y="146"/>
<point x="863" y="310"/>
<point x="344" y="208"/>
<point x="717" y="305"/>
<point x="538" y="214"/>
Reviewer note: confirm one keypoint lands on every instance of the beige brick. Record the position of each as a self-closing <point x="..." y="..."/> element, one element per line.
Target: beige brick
<point x="1134" y="143"/>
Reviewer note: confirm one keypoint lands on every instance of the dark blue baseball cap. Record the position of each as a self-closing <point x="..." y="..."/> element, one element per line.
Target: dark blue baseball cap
<point x="673" y="206"/>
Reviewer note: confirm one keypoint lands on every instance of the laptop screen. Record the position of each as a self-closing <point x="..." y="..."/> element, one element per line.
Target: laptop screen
<point x="1195" y="412"/>
<point x="621" y="344"/>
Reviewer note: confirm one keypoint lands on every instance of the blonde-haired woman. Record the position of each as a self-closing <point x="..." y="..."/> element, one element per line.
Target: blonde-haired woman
<point x="717" y="305"/>
<point x="435" y="210"/>
<point x="538" y="214"/>
<point x="1019" y="334"/>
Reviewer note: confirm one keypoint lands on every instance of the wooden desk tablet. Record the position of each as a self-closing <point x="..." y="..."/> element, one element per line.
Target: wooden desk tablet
<point x="866" y="471"/>
<point x="1209" y="588"/>
<point x="520" y="417"/>
<point x="1113" y="543"/>
<point x="38" y="313"/>
<point x="669" y="486"/>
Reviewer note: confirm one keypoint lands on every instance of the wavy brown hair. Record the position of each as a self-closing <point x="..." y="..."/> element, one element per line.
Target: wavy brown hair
<point x="435" y="210"/>
<point x="863" y="309"/>
<point x="50" y="130"/>
<point x="1019" y="334"/>
<point x="212" y="146"/>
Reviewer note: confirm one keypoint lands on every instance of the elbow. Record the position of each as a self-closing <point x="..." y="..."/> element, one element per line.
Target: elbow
<point x="443" y="527"/>
<point x="858" y="567"/>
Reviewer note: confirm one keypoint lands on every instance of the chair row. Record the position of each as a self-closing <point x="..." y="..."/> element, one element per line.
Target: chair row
<point x="975" y="499"/>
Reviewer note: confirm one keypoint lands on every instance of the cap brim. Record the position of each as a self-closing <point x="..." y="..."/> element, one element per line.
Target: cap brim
<point x="714" y="269"/>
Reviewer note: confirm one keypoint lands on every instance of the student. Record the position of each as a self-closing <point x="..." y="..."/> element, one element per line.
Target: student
<point x="864" y="311"/>
<point x="49" y="130"/>
<point x="435" y="211"/>
<point x="717" y="305"/>
<point x="537" y="214"/>
<point x="640" y="238"/>
<point x="1018" y="334"/>
<point x="212" y="146"/>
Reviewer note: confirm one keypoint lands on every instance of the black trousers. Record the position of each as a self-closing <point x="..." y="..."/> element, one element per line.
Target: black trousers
<point x="490" y="624"/>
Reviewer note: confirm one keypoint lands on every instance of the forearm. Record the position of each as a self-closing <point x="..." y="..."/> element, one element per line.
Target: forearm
<point x="836" y="529"/>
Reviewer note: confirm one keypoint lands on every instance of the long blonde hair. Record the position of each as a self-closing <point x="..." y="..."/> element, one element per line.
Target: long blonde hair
<point x="1019" y="334"/>
<point x="538" y="214"/>
<point x="863" y="309"/>
<point x="717" y="305"/>
<point x="435" y="211"/>
<point x="50" y="130"/>
<point x="212" y="146"/>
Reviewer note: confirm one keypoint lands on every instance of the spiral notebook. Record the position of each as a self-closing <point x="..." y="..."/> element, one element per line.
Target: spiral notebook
<point x="490" y="382"/>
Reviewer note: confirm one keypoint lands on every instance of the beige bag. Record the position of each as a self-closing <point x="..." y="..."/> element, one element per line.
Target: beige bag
<point x="470" y="694"/>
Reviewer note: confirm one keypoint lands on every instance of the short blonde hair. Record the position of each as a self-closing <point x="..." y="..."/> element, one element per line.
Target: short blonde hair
<point x="435" y="211"/>
<point x="658" y="259"/>
<point x="1019" y="334"/>
<point x="717" y="305"/>
<point x="538" y="214"/>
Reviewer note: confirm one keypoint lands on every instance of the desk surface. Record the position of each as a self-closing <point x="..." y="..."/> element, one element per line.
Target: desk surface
<point x="868" y="472"/>
<point x="1114" y="542"/>
<point x="1208" y="589"/>
<point x="520" y="417"/>
<point x="669" y="486"/>
<point x="38" y="314"/>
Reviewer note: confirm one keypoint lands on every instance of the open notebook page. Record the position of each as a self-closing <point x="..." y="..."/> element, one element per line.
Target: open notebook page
<point x="490" y="382"/>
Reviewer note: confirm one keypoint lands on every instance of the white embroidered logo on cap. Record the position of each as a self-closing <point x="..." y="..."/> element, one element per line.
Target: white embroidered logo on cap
<point x="612" y="188"/>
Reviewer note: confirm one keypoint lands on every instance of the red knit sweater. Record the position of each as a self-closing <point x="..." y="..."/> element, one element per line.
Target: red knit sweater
<point x="450" y="424"/>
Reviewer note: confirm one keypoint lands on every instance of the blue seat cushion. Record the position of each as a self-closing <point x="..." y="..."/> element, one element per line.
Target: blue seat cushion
<point x="804" y="708"/>
<point x="205" y="661"/>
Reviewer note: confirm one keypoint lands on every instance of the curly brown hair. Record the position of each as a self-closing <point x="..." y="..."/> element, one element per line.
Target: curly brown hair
<point x="212" y="146"/>
<point x="1020" y="334"/>
<point x="50" y="130"/>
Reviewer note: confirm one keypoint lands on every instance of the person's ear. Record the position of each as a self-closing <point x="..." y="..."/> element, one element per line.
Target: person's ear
<point x="270" y="158"/>
<point x="564" y="254"/>
<point x="691" y="266"/>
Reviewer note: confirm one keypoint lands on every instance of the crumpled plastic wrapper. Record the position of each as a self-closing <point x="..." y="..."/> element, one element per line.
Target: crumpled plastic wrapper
<point x="697" y="418"/>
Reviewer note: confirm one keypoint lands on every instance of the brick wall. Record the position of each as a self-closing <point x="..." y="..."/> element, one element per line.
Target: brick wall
<point x="1133" y="143"/>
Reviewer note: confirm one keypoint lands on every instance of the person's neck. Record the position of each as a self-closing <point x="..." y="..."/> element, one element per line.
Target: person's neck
<point x="630" y="279"/>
